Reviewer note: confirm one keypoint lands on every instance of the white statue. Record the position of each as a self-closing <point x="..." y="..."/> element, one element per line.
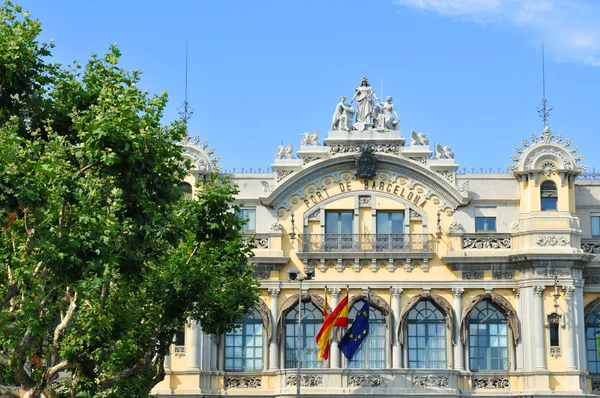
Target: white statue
<point x="310" y="139"/>
<point x="365" y="104"/>
<point x="284" y="152"/>
<point x="418" y="138"/>
<point x="386" y="117"/>
<point x="343" y="115"/>
<point x="443" y="152"/>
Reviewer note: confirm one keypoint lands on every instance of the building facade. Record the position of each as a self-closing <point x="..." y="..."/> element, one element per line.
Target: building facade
<point x="479" y="284"/>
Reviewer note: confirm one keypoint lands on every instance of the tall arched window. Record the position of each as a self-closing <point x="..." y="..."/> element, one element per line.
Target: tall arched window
<point x="488" y="338"/>
<point x="371" y="353"/>
<point x="244" y="345"/>
<point x="186" y="189"/>
<point x="591" y="328"/>
<point x="549" y="195"/>
<point x="426" y="336"/>
<point x="312" y="319"/>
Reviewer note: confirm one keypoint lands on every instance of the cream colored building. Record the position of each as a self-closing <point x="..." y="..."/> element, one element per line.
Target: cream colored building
<point x="480" y="284"/>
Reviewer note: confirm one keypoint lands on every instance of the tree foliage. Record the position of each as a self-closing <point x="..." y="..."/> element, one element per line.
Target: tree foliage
<point x="101" y="257"/>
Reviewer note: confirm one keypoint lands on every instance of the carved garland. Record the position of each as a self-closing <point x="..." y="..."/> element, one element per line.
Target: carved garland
<point x="265" y="314"/>
<point x="437" y="299"/>
<point x="290" y="303"/>
<point x="504" y="304"/>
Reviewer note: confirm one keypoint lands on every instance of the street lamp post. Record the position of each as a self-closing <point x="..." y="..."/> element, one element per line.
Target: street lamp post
<point x="294" y="275"/>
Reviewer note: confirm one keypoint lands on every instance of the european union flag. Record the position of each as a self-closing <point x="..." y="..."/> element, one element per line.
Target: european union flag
<point x="357" y="333"/>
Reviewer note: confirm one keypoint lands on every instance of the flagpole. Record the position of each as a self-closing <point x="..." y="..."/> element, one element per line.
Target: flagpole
<point x="299" y="338"/>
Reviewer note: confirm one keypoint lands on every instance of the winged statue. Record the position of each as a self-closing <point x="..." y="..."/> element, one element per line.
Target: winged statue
<point x="310" y="138"/>
<point x="443" y="152"/>
<point x="418" y="138"/>
<point x="285" y="152"/>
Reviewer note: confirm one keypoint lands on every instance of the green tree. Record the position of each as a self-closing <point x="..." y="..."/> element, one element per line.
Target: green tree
<point x="101" y="257"/>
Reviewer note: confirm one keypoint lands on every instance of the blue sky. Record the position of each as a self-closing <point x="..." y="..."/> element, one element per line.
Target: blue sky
<point x="466" y="72"/>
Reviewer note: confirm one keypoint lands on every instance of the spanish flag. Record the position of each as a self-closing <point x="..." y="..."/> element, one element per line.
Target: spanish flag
<point x="338" y="317"/>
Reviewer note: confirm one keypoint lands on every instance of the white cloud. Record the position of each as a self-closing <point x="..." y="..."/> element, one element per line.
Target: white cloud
<point x="570" y="28"/>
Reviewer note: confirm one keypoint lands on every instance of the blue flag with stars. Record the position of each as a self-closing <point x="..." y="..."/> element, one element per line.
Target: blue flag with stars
<point x="357" y="333"/>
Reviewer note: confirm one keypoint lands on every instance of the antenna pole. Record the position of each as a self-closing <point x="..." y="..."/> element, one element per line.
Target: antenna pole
<point x="186" y="111"/>
<point x="544" y="110"/>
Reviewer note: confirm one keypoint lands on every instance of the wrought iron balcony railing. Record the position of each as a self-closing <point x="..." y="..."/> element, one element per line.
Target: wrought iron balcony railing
<point x="395" y="243"/>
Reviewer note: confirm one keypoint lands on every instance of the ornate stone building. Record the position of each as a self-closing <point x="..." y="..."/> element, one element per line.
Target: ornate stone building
<point x="480" y="284"/>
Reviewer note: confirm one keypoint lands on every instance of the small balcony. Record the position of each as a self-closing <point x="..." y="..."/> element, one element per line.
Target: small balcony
<point x="365" y="243"/>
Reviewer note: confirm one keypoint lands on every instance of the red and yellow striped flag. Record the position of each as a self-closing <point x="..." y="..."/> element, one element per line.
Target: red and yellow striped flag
<point x="338" y="317"/>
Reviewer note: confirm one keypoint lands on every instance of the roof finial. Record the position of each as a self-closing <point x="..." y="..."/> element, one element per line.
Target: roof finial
<point x="544" y="109"/>
<point x="186" y="111"/>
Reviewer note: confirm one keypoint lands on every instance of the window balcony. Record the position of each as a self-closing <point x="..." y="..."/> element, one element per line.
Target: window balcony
<point x="365" y="243"/>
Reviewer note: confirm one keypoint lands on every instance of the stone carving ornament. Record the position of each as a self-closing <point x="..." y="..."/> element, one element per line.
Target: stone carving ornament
<point x="364" y="201"/>
<point x="281" y="174"/>
<point x="276" y="226"/>
<point x="366" y="381"/>
<point x="366" y="163"/>
<point x="242" y="382"/>
<point x="418" y="139"/>
<point x="305" y="381"/>
<point x="593" y="248"/>
<point x="487" y="243"/>
<point x="261" y="243"/>
<point x="456" y="228"/>
<point x="285" y="152"/>
<point x="343" y="115"/>
<point x="472" y="275"/>
<point x="430" y="381"/>
<point x="500" y="383"/>
<point x="310" y="138"/>
<point x="551" y="240"/>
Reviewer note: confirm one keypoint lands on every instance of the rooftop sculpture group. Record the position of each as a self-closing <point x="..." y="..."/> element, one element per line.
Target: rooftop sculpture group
<point x="370" y="114"/>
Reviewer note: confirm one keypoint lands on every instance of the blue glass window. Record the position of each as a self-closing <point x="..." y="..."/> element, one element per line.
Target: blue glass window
<point x="488" y="338"/>
<point x="250" y="215"/>
<point x="371" y="353"/>
<point x="244" y="345"/>
<point x="485" y="224"/>
<point x="426" y="337"/>
<point x="338" y="231"/>
<point x="592" y="329"/>
<point x="595" y="226"/>
<point x="312" y="319"/>
<point x="549" y="195"/>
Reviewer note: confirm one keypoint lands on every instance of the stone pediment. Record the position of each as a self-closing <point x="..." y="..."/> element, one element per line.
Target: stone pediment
<point x="201" y="158"/>
<point x="318" y="179"/>
<point x="547" y="154"/>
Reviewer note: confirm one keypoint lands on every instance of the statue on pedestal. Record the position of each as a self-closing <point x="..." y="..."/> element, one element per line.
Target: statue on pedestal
<point x="365" y="104"/>
<point x="343" y="115"/>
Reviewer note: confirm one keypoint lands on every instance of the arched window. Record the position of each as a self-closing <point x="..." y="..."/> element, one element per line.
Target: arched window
<point x="244" y="345"/>
<point x="549" y="195"/>
<point x="186" y="189"/>
<point x="592" y="327"/>
<point x="312" y="319"/>
<point x="488" y="338"/>
<point x="371" y="353"/>
<point x="426" y="336"/>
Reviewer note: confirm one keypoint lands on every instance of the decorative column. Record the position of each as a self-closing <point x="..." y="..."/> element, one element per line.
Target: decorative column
<point x="334" y="352"/>
<point x="538" y="324"/>
<point x="396" y="350"/>
<point x="194" y="352"/>
<point x="570" y="349"/>
<point x="519" y="309"/>
<point x="274" y="347"/>
<point x="459" y="349"/>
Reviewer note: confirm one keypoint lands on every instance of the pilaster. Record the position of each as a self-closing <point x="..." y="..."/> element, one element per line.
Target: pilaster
<point x="273" y="346"/>
<point x="459" y="351"/>
<point x="396" y="348"/>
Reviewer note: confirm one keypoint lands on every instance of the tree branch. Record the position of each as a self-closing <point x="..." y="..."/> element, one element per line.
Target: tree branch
<point x="63" y="324"/>
<point x="86" y="168"/>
